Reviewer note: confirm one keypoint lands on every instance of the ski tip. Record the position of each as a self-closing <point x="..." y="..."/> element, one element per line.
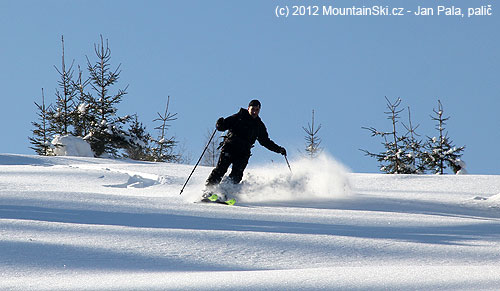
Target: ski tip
<point x="213" y="198"/>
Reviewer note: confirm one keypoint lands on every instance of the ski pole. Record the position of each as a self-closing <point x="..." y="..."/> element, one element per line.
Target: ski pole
<point x="204" y="150"/>
<point x="288" y="164"/>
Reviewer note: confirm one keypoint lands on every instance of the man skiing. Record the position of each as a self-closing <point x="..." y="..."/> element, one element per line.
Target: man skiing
<point x="244" y="128"/>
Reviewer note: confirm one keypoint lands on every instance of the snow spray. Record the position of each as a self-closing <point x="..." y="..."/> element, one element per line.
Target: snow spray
<point x="318" y="178"/>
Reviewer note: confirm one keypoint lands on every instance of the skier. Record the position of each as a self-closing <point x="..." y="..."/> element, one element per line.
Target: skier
<point x="244" y="128"/>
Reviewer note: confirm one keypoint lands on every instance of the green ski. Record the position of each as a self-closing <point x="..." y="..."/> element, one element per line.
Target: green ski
<point x="214" y="198"/>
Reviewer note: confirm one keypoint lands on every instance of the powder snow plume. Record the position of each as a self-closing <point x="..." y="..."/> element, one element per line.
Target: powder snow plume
<point x="322" y="177"/>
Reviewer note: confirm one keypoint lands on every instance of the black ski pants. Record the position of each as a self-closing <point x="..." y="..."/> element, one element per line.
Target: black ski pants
<point x="226" y="158"/>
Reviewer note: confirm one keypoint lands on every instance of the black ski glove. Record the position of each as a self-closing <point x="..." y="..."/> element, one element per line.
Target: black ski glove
<point x="219" y="123"/>
<point x="282" y="151"/>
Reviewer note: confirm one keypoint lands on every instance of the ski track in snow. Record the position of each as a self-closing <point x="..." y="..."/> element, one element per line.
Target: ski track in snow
<point x="85" y="224"/>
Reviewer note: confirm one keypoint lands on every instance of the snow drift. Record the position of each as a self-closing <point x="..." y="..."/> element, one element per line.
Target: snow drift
<point x="68" y="145"/>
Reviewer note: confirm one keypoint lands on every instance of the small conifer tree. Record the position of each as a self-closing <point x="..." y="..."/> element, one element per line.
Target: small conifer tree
<point x="163" y="149"/>
<point x="139" y="140"/>
<point x="41" y="133"/>
<point x="212" y="154"/>
<point x="413" y="148"/>
<point x="312" y="139"/>
<point x="107" y="134"/>
<point x="62" y="113"/>
<point x="440" y="153"/>
<point x="395" y="158"/>
<point x="84" y="115"/>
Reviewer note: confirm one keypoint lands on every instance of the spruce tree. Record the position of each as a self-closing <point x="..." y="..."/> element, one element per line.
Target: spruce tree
<point x="440" y="153"/>
<point x="163" y="149"/>
<point x="138" y="139"/>
<point x="84" y="115"/>
<point x="107" y="134"/>
<point x="413" y="148"/>
<point x="312" y="139"/>
<point x="395" y="159"/>
<point x="41" y="133"/>
<point x="62" y="113"/>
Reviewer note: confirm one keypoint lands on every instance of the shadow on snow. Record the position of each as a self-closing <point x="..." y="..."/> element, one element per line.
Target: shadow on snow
<point x="448" y="235"/>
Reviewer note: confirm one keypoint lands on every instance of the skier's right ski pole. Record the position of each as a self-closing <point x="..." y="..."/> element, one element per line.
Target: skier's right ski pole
<point x="204" y="150"/>
<point x="288" y="164"/>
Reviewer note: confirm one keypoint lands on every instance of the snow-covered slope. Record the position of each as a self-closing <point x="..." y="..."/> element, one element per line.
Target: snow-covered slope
<point x="71" y="223"/>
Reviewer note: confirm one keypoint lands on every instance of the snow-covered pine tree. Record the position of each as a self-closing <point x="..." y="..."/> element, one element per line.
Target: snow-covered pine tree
<point x="163" y="149"/>
<point x="312" y="139"/>
<point x="107" y="134"/>
<point x="62" y="115"/>
<point x="395" y="158"/>
<point x="138" y="139"/>
<point x="41" y="133"/>
<point x="413" y="148"/>
<point x="440" y="153"/>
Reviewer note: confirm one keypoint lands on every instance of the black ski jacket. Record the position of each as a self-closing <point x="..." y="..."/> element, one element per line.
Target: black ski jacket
<point x="243" y="131"/>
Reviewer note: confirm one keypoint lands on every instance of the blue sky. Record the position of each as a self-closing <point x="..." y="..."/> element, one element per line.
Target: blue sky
<point x="212" y="57"/>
